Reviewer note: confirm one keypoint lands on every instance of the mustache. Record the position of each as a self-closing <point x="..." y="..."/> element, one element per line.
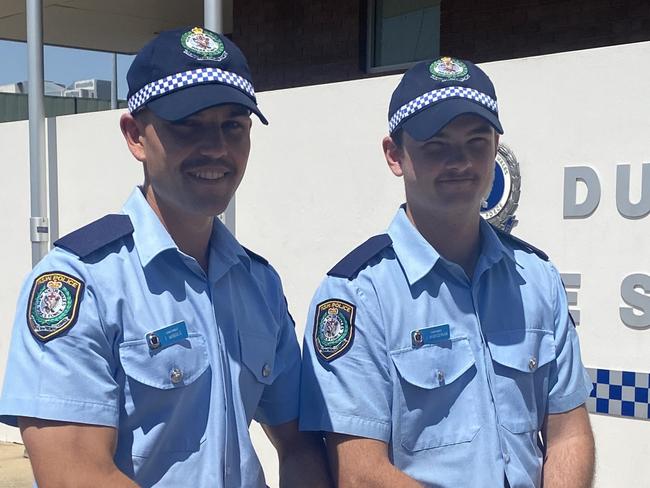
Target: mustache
<point x="456" y="175"/>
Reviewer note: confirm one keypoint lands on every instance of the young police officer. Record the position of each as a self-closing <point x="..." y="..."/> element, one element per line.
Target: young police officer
<point x="147" y="341"/>
<point x="437" y="353"/>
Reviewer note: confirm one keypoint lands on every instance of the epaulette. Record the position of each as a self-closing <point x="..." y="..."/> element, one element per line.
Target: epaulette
<point x="96" y="235"/>
<point x="256" y="256"/>
<point x="351" y="264"/>
<point x="521" y="243"/>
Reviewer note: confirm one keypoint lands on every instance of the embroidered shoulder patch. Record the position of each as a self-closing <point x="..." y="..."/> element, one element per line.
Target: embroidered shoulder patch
<point x="333" y="328"/>
<point x="53" y="304"/>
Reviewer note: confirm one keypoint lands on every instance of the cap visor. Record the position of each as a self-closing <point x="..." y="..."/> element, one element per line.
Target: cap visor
<point x="182" y="103"/>
<point x="428" y="122"/>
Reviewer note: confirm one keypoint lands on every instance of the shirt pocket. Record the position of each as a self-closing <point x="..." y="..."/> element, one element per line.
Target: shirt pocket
<point x="167" y="394"/>
<point x="259" y="371"/>
<point x="522" y="361"/>
<point x="435" y="395"/>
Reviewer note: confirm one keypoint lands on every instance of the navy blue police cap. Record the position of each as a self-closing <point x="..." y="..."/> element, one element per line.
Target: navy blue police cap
<point x="433" y="93"/>
<point x="183" y="71"/>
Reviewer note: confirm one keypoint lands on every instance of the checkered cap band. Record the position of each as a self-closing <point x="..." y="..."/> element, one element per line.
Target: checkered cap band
<point x="434" y="96"/>
<point x="188" y="78"/>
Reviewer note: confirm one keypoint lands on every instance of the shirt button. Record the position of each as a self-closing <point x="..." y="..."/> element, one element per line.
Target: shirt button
<point x="532" y="363"/>
<point x="441" y="376"/>
<point x="506" y="457"/>
<point x="176" y="376"/>
<point x="266" y="370"/>
<point x="153" y="340"/>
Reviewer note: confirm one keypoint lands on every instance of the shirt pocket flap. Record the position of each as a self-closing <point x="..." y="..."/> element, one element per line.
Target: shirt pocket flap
<point x="523" y="350"/>
<point x="434" y="365"/>
<point x="171" y="367"/>
<point x="258" y="354"/>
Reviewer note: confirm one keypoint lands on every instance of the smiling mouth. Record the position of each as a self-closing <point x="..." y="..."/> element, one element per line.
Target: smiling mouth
<point x="207" y="174"/>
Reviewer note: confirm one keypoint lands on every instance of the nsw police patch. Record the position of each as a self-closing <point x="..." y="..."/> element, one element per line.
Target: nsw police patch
<point x="53" y="304"/>
<point x="333" y="328"/>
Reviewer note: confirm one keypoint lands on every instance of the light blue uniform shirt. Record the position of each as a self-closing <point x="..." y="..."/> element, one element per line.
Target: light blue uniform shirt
<point x="460" y="409"/>
<point x="241" y="360"/>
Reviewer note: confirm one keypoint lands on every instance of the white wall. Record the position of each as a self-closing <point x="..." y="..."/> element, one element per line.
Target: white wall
<point x="15" y="247"/>
<point x="96" y="171"/>
<point x="317" y="185"/>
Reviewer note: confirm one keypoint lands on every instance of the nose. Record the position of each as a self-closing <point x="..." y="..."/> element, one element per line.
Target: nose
<point x="458" y="157"/>
<point x="213" y="143"/>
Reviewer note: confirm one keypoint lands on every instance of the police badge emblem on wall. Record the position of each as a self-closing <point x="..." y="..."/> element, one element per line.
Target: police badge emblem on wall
<point x="500" y="205"/>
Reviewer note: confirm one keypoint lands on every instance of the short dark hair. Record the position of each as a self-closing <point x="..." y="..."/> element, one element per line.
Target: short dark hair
<point x="140" y="114"/>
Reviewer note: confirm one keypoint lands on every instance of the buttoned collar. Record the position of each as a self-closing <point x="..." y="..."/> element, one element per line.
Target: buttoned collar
<point x="418" y="257"/>
<point x="152" y="239"/>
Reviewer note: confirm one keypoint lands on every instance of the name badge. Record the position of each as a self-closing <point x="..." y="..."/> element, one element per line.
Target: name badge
<point x="167" y="336"/>
<point x="430" y="335"/>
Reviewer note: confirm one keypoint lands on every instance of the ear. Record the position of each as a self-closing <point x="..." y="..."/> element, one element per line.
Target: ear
<point x="132" y="130"/>
<point x="496" y="143"/>
<point x="393" y="154"/>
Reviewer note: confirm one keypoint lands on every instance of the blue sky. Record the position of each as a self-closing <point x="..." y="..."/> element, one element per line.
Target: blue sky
<point x="63" y="65"/>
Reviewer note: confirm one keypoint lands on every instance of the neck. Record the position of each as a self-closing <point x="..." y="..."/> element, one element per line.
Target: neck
<point x="191" y="233"/>
<point x="456" y="238"/>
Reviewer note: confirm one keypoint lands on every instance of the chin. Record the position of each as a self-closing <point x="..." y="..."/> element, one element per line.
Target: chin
<point x="211" y="207"/>
<point x="214" y="212"/>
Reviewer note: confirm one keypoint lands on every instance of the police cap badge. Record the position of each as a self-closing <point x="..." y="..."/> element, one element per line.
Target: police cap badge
<point x="202" y="45"/>
<point x="447" y="68"/>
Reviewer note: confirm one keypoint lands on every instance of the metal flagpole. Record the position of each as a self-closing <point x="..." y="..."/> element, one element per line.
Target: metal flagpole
<point x="39" y="228"/>
<point x="213" y="20"/>
<point x="213" y="15"/>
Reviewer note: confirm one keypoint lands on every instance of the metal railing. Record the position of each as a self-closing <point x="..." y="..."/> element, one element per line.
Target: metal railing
<point x="14" y="106"/>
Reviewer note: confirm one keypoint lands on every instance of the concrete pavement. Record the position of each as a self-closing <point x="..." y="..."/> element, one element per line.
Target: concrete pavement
<point x="15" y="470"/>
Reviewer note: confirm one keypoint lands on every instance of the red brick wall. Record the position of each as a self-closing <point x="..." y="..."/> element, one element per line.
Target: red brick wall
<point x="292" y="43"/>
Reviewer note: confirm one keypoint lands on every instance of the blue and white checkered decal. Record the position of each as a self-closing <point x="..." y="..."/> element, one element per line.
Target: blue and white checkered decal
<point x="434" y="96"/>
<point x="620" y="393"/>
<point x="187" y="78"/>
